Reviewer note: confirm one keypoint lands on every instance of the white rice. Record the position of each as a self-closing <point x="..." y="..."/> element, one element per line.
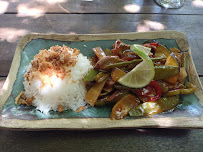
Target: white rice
<point x="68" y="92"/>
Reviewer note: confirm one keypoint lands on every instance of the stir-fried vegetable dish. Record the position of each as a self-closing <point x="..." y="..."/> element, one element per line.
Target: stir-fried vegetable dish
<point x="161" y="94"/>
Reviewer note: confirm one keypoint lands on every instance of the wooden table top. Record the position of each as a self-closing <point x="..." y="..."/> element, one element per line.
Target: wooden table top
<point x="18" y="18"/>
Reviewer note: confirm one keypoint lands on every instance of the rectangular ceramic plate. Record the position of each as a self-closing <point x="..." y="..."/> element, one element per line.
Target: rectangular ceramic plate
<point x="187" y="115"/>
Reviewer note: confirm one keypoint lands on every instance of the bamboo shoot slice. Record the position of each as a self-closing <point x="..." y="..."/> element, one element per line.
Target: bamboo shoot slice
<point x="94" y="92"/>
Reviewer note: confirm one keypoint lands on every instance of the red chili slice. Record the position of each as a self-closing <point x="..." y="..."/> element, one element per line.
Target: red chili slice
<point x="157" y="87"/>
<point x="147" y="93"/>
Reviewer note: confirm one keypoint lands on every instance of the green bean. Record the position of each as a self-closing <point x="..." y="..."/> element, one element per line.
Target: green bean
<point x="126" y="63"/>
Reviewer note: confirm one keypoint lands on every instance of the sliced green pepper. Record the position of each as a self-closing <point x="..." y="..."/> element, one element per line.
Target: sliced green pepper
<point x="154" y="107"/>
<point x="163" y="72"/>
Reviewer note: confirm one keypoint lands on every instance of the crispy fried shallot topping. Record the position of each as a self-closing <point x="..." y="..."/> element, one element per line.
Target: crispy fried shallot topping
<point x="54" y="61"/>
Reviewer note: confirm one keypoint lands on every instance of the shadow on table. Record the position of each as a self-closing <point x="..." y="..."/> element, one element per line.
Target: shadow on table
<point x="100" y="133"/>
<point x="102" y="140"/>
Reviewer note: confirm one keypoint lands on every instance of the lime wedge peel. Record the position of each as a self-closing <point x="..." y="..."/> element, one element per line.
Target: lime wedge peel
<point x="142" y="52"/>
<point x="141" y="48"/>
<point x="143" y="73"/>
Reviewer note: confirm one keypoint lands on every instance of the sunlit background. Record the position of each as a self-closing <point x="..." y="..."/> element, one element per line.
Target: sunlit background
<point x="197" y="3"/>
<point x="34" y="11"/>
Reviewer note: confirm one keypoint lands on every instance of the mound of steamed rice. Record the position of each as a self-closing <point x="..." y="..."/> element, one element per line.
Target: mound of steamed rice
<point x="54" y="78"/>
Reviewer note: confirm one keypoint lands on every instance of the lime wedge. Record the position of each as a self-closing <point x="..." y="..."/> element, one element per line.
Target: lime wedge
<point x="143" y="73"/>
<point x="142" y="48"/>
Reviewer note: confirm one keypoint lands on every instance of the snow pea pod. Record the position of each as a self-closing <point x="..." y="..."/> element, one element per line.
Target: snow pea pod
<point x="123" y="106"/>
<point x="190" y="89"/>
<point x="113" y="98"/>
<point x="90" y="75"/>
<point x="168" y="103"/>
<point x="101" y="76"/>
<point x="172" y="93"/>
<point x="154" y="107"/>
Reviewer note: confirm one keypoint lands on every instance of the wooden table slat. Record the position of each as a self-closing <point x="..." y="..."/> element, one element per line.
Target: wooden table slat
<point x="12" y="27"/>
<point x="97" y="6"/>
